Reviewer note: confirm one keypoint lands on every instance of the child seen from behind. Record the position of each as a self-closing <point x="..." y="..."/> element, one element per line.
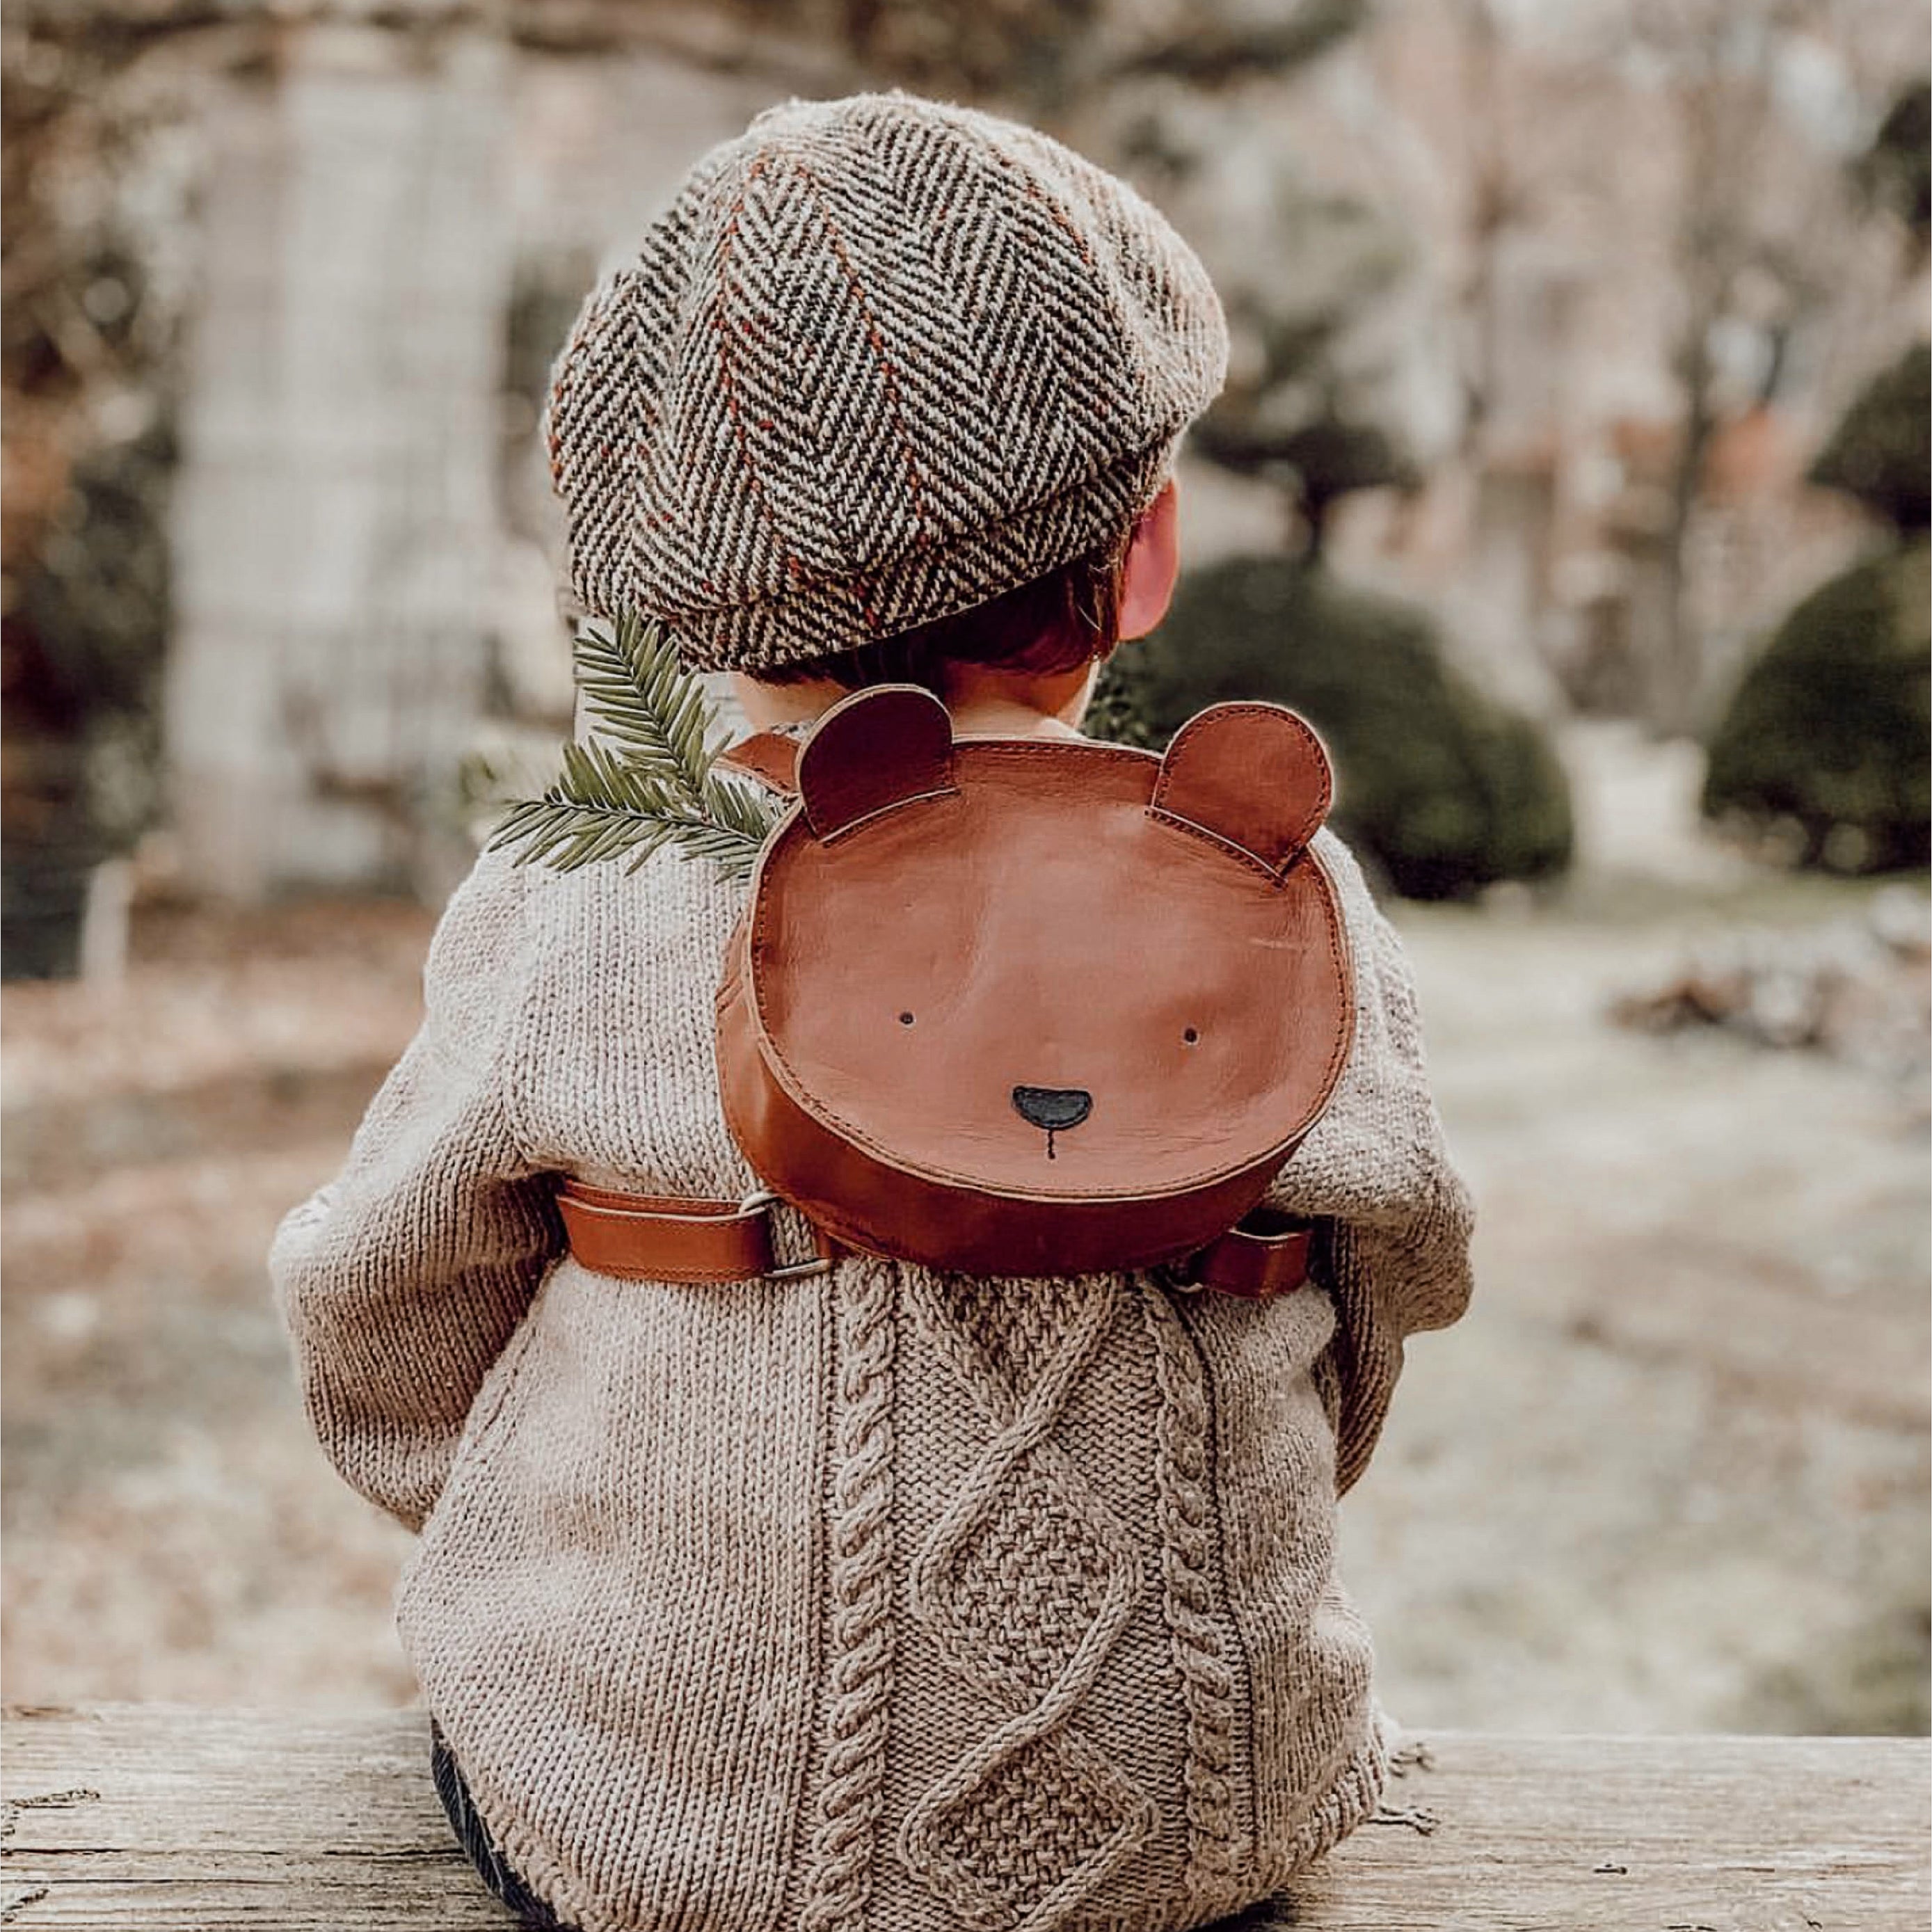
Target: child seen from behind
<point x="870" y="1596"/>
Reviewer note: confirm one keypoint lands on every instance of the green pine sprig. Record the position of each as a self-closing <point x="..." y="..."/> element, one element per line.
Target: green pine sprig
<point x="646" y="780"/>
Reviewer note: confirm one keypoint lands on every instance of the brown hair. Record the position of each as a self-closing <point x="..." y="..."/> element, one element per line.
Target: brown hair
<point x="1057" y="623"/>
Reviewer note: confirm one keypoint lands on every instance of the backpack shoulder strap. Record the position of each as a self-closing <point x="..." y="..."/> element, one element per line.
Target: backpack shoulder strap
<point x="769" y="756"/>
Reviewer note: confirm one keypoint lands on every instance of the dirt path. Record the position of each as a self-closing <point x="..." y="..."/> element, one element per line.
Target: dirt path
<point x="1670" y="1474"/>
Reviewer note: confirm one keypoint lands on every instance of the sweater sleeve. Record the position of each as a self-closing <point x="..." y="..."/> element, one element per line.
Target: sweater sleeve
<point x="401" y="1281"/>
<point x="1374" y="1171"/>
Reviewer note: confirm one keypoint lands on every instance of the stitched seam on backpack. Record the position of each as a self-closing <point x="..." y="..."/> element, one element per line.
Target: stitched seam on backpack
<point x="822" y="1114"/>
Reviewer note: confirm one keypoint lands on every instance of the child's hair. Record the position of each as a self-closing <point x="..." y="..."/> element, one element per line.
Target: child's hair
<point x="1057" y="623"/>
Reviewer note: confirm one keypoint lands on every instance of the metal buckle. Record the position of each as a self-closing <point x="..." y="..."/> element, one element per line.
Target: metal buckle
<point x="763" y="1198"/>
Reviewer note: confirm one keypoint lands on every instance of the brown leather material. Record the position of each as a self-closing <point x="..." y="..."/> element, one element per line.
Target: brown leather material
<point x="1253" y="776"/>
<point x="766" y="756"/>
<point x="1036" y="935"/>
<point x="1263" y="1255"/>
<point x="645" y="1237"/>
<point x="887" y="746"/>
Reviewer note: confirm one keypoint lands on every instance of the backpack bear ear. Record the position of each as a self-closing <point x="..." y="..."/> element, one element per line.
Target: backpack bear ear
<point x="879" y="747"/>
<point x="1252" y="776"/>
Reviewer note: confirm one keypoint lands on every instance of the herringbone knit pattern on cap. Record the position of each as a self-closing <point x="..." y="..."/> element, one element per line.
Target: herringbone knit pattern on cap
<point x="881" y="361"/>
<point x="886" y="1602"/>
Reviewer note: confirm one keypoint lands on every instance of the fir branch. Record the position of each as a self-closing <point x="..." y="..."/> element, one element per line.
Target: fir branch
<point x="744" y="809"/>
<point x="639" y="697"/>
<point x="646" y="780"/>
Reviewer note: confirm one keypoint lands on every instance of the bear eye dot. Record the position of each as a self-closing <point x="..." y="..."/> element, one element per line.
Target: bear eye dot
<point x="1191" y="1036"/>
<point x="905" y="1019"/>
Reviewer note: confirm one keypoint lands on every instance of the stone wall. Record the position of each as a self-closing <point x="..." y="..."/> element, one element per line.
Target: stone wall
<point x="363" y="547"/>
<point x="334" y="522"/>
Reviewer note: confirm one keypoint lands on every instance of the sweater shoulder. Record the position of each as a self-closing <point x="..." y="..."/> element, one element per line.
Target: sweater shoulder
<point x="476" y="963"/>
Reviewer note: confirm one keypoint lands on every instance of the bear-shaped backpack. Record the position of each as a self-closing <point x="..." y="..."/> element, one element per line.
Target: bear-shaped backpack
<point x="1036" y="1006"/>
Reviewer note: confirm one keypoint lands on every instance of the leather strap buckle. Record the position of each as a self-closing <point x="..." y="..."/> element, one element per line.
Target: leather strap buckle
<point x="657" y="1237"/>
<point x="762" y="1200"/>
<point x="1264" y="1255"/>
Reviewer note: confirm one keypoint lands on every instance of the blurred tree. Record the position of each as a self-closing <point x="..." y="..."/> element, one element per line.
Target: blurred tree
<point x="1443" y="791"/>
<point x="1896" y="170"/>
<point x="1882" y="452"/>
<point x="1763" y="238"/>
<point x="1321" y="298"/>
<point x="1305" y="448"/>
<point x="1042" y="57"/>
<point x="1502" y="193"/>
<point x="95" y="191"/>
<point x="1828" y="730"/>
<point x="1721" y="57"/>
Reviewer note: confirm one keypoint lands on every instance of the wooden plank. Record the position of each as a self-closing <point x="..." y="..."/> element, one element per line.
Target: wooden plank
<point x="121" y="1818"/>
<point x="1641" y="1834"/>
<point x="155" y="1818"/>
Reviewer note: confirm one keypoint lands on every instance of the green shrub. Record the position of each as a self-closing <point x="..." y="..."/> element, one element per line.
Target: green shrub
<point x="1445" y="791"/>
<point x="1881" y="452"/>
<point x="1896" y="170"/>
<point x="1827" y="729"/>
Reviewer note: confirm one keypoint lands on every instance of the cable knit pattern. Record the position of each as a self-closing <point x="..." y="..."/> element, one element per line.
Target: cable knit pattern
<point x="885" y="1601"/>
<point x="1200" y="1641"/>
<point x="851" y="1798"/>
<point x="1028" y="1580"/>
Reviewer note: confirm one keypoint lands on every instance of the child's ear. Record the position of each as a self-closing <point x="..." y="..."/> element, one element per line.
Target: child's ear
<point x="1152" y="563"/>
<point x="877" y="748"/>
<point x="1253" y="776"/>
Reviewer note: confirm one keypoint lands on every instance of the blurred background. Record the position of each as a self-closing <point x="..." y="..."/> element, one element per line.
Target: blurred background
<point x="1571" y="476"/>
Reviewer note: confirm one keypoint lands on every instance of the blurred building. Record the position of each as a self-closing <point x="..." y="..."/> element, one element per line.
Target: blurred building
<point x="364" y="560"/>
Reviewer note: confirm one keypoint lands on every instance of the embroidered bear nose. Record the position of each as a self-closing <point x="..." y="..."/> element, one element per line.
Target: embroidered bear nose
<point x="1055" y="1109"/>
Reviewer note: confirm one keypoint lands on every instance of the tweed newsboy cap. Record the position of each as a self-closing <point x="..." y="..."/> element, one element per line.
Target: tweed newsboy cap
<point x="882" y="359"/>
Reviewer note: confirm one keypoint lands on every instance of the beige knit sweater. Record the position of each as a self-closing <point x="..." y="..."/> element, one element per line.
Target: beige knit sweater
<point x="888" y="1601"/>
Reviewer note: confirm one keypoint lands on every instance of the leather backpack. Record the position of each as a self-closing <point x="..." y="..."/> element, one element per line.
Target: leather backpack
<point x="1022" y="1007"/>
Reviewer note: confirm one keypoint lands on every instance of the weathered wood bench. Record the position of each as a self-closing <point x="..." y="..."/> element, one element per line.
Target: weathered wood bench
<point x="124" y="1818"/>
